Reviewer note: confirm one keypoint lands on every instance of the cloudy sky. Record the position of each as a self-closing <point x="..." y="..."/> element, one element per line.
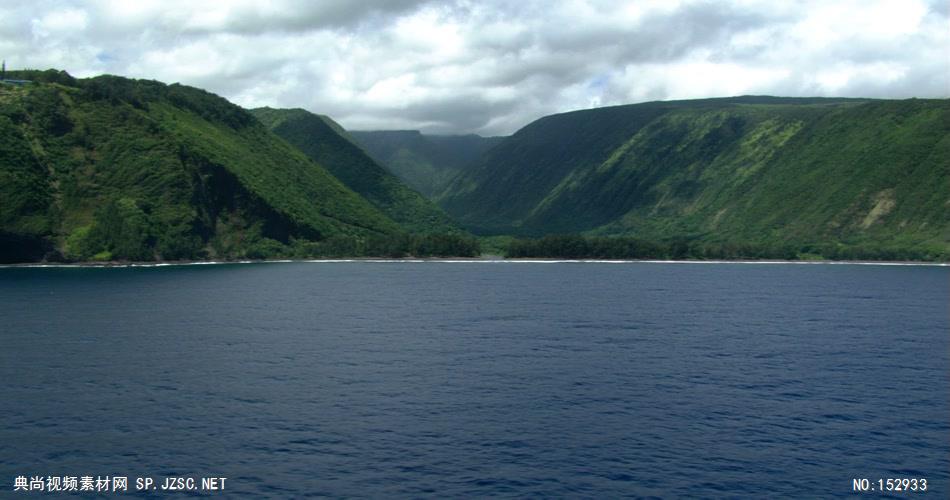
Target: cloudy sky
<point x="489" y="67"/>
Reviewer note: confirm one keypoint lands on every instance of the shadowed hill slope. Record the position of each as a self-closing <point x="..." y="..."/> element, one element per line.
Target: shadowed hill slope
<point x="427" y="163"/>
<point x="748" y="169"/>
<point x="324" y="141"/>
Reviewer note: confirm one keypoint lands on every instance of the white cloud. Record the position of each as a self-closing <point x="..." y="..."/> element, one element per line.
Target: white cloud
<point x="62" y="23"/>
<point x="490" y="66"/>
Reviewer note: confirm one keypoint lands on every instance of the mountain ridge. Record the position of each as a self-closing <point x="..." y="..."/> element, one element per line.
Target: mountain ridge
<point x="747" y="169"/>
<point x="109" y="168"/>
<point x="427" y="163"/>
<point x="327" y="143"/>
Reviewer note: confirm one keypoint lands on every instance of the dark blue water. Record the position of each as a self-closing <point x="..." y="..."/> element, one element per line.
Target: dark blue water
<point x="469" y="380"/>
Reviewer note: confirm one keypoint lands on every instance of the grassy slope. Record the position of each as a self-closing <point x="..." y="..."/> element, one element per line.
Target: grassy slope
<point x="746" y="169"/>
<point x="173" y="171"/>
<point x="322" y="139"/>
<point x="427" y="163"/>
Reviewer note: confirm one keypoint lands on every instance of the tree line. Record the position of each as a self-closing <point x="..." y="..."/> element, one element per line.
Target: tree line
<point x="574" y="246"/>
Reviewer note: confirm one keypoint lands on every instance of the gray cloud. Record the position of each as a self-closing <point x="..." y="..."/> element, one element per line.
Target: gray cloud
<point x="490" y="67"/>
<point x="293" y="16"/>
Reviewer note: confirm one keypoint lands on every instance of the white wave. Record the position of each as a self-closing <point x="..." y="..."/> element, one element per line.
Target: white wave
<point x="479" y="261"/>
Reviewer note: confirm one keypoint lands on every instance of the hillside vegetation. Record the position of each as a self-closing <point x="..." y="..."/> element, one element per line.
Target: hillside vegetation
<point x="818" y="176"/>
<point x="427" y="163"/>
<point x="109" y="168"/>
<point x="324" y="141"/>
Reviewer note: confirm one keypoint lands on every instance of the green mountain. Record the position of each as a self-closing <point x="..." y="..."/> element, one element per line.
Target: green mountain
<point x="427" y="163"/>
<point x="111" y="168"/>
<point x="751" y="170"/>
<point x="325" y="141"/>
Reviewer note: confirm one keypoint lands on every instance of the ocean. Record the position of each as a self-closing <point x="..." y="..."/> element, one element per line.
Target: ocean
<point x="475" y="379"/>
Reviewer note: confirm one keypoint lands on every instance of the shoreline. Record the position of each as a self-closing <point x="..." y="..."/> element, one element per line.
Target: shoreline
<point x="461" y="260"/>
